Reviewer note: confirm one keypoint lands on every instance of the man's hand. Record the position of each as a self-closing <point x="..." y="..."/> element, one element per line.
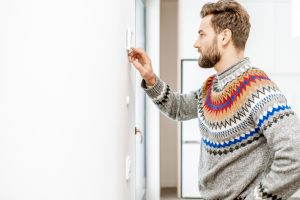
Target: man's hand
<point x="142" y="63"/>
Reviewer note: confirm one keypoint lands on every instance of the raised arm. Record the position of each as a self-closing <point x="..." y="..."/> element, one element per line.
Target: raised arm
<point x="174" y="105"/>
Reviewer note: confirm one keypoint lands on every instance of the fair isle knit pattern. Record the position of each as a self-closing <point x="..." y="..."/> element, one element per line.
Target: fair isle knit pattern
<point x="225" y="115"/>
<point x="250" y="142"/>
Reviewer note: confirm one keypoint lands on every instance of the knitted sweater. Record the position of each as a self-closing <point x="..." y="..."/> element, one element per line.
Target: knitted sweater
<point x="250" y="136"/>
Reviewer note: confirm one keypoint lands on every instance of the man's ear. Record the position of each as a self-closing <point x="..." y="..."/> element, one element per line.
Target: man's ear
<point x="226" y="35"/>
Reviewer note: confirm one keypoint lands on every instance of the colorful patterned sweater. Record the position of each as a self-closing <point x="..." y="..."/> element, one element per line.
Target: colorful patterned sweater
<point x="250" y="136"/>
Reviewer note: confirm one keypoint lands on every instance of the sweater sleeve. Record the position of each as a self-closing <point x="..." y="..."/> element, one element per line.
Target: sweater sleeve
<point x="281" y="127"/>
<point x="175" y="106"/>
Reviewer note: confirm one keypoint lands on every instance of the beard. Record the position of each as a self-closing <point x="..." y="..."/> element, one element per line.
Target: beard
<point x="211" y="57"/>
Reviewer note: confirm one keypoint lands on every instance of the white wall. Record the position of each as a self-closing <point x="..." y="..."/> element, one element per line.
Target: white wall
<point x="188" y="24"/>
<point x="64" y="126"/>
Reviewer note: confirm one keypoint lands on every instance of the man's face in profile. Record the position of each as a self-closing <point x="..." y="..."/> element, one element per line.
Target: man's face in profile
<point x="207" y="44"/>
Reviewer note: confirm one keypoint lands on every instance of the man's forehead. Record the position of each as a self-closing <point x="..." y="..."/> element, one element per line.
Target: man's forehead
<point x="205" y="23"/>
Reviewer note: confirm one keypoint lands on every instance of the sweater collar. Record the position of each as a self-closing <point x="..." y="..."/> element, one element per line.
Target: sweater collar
<point x="232" y="69"/>
<point x="230" y="74"/>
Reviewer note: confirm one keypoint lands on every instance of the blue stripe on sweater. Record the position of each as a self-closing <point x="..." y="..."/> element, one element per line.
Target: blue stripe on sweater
<point x="247" y="135"/>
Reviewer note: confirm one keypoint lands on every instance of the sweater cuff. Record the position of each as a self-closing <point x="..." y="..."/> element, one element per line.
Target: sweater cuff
<point x="155" y="90"/>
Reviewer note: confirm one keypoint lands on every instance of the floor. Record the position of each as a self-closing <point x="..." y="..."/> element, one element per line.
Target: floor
<point x="171" y="194"/>
<point x="168" y="194"/>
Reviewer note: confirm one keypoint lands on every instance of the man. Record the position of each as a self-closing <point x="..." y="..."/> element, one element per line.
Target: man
<point x="250" y="136"/>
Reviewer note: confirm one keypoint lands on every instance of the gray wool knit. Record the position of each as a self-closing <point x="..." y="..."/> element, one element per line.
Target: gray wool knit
<point x="250" y="136"/>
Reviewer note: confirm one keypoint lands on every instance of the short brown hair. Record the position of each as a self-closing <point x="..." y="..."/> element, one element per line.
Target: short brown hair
<point x="229" y="14"/>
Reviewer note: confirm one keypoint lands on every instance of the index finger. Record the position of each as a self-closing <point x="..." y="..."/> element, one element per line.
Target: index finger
<point x="141" y="52"/>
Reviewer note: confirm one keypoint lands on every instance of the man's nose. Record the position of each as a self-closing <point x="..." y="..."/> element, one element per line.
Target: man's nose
<point x="196" y="44"/>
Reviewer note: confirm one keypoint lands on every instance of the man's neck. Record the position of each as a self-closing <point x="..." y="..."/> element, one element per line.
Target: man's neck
<point x="228" y="61"/>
